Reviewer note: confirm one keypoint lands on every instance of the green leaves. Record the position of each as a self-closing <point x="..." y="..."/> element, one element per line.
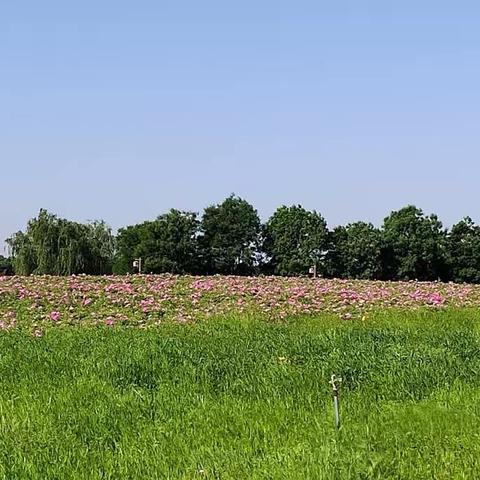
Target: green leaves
<point x="414" y="246"/>
<point x="464" y="251"/>
<point x="295" y="239"/>
<point x="230" y="236"/>
<point x="5" y="266"/>
<point x="356" y="251"/>
<point x="229" y="239"/>
<point x="56" y="246"/>
<point x="167" y="244"/>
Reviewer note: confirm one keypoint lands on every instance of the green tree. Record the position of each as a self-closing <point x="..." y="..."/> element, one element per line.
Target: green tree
<point x="356" y="251"/>
<point x="464" y="251"/>
<point x="414" y="246"/>
<point x="167" y="244"/>
<point x="295" y="239"/>
<point x="56" y="246"/>
<point x="22" y="253"/>
<point x="98" y="247"/>
<point x="126" y="243"/>
<point x="230" y="237"/>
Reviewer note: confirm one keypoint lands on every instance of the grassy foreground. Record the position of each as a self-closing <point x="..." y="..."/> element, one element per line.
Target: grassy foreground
<point x="240" y="398"/>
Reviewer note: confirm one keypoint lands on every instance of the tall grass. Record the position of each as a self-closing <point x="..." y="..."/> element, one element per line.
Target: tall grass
<point x="238" y="398"/>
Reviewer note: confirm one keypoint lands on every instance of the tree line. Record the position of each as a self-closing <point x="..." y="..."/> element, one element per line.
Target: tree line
<point x="230" y="239"/>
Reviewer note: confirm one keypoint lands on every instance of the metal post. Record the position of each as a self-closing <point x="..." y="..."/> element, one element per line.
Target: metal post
<point x="336" y="402"/>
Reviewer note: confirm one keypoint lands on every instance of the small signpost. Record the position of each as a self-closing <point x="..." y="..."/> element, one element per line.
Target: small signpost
<point x="313" y="271"/>
<point x="137" y="263"/>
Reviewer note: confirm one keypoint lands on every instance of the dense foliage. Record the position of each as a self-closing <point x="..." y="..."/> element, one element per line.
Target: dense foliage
<point x="55" y="246"/>
<point x="5" y="265"/>
<point x="415" y="245"/>
<point x="356" y="251"/>
<point x="464" y="251"/>
<point x="230" y="239"/>
<point x="167" y="244"/>
<point x="295" y="239"/>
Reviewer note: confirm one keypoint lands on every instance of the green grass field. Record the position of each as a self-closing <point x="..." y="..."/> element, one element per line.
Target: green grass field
<point x="241" y="398"/>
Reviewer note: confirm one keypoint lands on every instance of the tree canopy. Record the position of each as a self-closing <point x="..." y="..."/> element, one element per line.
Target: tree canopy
<point x="414" y="245"/>
<point x="229" y="238"/>
<point x="295" y="239"/>
<point x="356" y="251"/>
<point x="464" y="251"/>
<point x="166" y="244"/>
<point x="56" y="246"/>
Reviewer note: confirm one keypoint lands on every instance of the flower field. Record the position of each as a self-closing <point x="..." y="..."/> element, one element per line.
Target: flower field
<point x="220" y="389"/>
<point x="141" y="301"/>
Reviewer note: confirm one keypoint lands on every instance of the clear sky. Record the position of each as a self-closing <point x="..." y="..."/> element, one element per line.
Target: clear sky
<point x="120" y="110"/>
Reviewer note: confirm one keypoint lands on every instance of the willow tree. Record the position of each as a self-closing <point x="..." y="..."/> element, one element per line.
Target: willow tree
<point x="56" y="246"/>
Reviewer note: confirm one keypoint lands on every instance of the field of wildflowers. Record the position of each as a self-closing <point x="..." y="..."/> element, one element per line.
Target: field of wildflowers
<point x="141" y="301"/>
<point x="211" y="385"/>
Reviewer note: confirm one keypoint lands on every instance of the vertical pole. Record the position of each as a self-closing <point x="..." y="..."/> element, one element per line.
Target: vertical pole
<point x="336" y="401"/>
<point x="140" y="265"/>
<point x="336" y="407"/>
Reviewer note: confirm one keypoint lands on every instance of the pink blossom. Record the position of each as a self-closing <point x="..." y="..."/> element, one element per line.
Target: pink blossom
<point x="147" y="299"/>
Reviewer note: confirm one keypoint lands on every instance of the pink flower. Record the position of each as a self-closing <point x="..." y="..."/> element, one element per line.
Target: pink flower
<point x="55" y="316"/>
<point x="436" y="299"/>
<point x="109" y="321"/>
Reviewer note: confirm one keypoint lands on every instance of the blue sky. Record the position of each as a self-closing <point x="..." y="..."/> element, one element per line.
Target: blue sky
<point x="121" y="110"/>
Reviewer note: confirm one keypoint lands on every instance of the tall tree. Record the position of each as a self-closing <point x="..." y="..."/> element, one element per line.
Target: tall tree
<point x="127" y="241"/>
<point x="414" y="246"/>
<point x="356" y="251"/>
<point x="56" y="246"/>
<point x="22" y="253"/>
<point x="99" y="247"/>
<point x="230" y="237"/>
<point x="295" y="239"/>
<point x="167" y="244"/>
<point x="464" y="251"/>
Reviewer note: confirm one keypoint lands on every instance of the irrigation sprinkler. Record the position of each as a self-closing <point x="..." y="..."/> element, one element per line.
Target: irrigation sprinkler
<point x="334" y="382"/>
